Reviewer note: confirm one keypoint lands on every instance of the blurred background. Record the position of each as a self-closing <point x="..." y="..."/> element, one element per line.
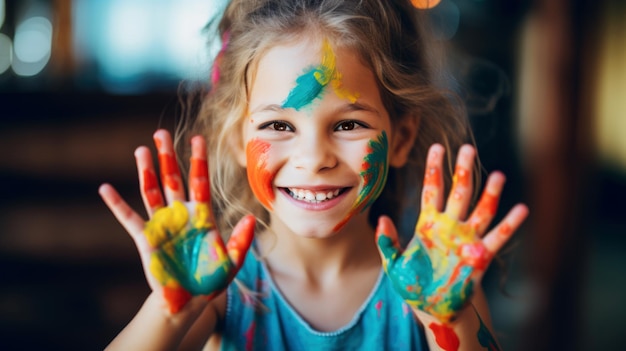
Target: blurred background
<point x="83" y="83"/>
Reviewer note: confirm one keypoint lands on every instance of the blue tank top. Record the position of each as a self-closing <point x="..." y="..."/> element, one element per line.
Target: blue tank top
<point x="261" y="319"/>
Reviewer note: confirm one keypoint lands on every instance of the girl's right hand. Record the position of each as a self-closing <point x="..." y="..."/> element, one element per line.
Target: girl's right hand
<point x="182" y="253"/>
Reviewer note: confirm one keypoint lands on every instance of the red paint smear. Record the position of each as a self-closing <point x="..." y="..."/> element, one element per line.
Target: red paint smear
<point x="199" y="180"/>
<point x="169" y="170"/>
<point x="176" y="297"/>
<point x="461" y="176"/>
<point x="488" y="204"/>
<point x="259" y="177"/>
<point x="432" y="177"/>
<point x="379" y="306"/>
<point x="505" y="230"/>
<point x="455" y="274"/>
<point x="445" y="336"/>
<point x="475" y="255"/>
<point x="151" y="189"/>
<point x="249" y="334"/>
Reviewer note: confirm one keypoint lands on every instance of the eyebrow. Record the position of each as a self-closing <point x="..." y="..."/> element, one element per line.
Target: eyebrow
<point x="350" y="107"/>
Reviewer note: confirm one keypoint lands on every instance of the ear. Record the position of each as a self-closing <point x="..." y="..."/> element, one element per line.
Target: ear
<point x="404" y="134"/>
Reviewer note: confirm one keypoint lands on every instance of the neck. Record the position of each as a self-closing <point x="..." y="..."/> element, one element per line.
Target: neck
<point x="320" y="258"/>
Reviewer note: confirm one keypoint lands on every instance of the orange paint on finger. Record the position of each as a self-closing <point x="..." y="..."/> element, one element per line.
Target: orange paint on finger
<point x="199" y="180"/>
<point x="488" y="204"/>
<point x="259" y="177"/>
<point x="169" y="171"/>
<point x="432" y="177"/>
<point x="505" y="230"/>
<point x="151" y="189"/>
<point x="445" y="337"/>
<point x="461" y="177"/>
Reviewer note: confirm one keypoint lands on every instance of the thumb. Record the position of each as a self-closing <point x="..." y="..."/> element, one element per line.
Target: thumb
<point x="240" y="240"/>
<point x="387" y="240"/>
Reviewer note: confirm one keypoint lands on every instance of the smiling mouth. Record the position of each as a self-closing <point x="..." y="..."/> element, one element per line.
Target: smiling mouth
<point x="313" y="197"/>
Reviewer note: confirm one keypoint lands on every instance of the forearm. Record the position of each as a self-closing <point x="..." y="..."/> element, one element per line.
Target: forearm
<point x="153" y="328"/>
<point x="471" y="329"/>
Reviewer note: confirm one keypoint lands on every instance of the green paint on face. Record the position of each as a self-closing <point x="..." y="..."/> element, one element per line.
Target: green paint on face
<point x="374" y="176"/>
<point x="375" y="171"/>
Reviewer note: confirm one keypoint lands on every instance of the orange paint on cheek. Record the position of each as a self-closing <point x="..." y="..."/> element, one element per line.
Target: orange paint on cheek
<point x="151" y="188"/>
<point x="199" y="180"/>
<point x="446" y="337"/>
<point x="259" y="177"/>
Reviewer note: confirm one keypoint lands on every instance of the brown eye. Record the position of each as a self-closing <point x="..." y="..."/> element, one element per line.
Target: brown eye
<point x="347" y="125"/>
<point x="280" y="126"/>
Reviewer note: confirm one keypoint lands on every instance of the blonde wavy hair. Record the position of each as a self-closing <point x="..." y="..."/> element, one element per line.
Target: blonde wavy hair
<point x="392" y="39"/>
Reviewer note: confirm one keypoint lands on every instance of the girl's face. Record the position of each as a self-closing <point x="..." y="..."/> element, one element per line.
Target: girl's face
<point x="317" y="140"/>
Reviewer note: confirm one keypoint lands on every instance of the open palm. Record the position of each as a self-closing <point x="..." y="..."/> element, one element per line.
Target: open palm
<point x="448" y="254"/>
<point x="181" y="250"/>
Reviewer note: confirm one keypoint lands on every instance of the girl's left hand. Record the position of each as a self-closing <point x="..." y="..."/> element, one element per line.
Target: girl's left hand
<point x="448" y="255"/>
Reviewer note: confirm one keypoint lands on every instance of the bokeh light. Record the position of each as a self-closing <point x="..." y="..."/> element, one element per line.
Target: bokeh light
<point x="2" y="13"/>
<point x="6" y="53"/>
<point x="425" y="4"/>
<point x="32" y="46"/>
<point x="141" y="45"/>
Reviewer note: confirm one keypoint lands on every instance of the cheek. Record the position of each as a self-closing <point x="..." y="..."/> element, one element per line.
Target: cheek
<point x="259" y="176"/>
<point x="373" y="171"/>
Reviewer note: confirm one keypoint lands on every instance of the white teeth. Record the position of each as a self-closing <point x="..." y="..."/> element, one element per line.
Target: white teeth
<point x="311" y="196"/>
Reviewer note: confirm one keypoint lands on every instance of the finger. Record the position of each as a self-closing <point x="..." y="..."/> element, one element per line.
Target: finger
<point x="501" y="233"/>
<point x="170" y="173"/>
<point x="199" y="186"/>
<point x="387" y="240"/>
<point x="461" y="192"/>
<point x="240" y="240"/>
<point x="487" y="206"/>
<point x="432" y="191"/>
<point x="128" y="218"/>
<point x="148" y="183"/>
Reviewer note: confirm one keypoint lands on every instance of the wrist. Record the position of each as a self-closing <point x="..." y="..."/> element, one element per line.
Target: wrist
<point x="186" y="315"/>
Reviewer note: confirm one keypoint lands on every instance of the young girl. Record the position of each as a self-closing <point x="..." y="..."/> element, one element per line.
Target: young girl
<point x="328" y="109"/>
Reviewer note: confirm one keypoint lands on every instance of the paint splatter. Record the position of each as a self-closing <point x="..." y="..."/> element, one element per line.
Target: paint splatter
<point x="373" y="177"/>
<point x="170" y="174"/>
<point x="249" y="335"/>
<point x="445" y="337"/>
<point x="312" y="83"/>
<point x="378" y="306"/>
<point x="184" y="262"/>
<point x="259" y="177"/>
<point x="199" y="180"/>
<point x="437" y="271"/>
<point x="151" y="189"/>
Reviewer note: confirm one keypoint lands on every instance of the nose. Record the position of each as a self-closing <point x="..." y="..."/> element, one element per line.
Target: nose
<point x="314" y="152"/>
